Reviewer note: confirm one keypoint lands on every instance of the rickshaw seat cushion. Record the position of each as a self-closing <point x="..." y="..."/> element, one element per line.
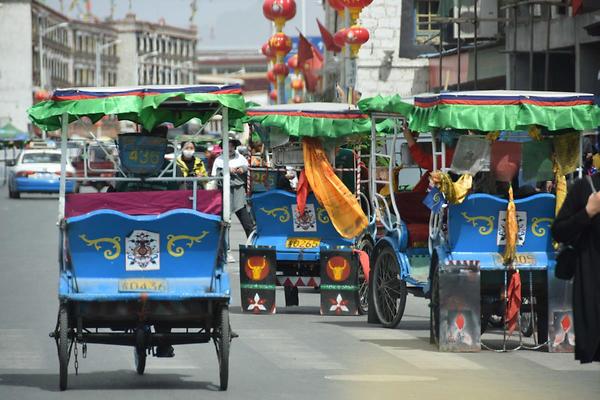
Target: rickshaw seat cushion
<point x="142" y="203"/>
<point x="411" y="207"/>
<point x="418" y="234"/>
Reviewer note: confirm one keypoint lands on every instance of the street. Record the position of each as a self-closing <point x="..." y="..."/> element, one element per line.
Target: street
<point x="295" y="354"/>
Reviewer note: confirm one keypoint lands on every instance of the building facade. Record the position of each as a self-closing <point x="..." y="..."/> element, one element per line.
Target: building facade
<point x="154" y="53"/>
<point x="94" y="45"/>
<point x="56" y="51"/>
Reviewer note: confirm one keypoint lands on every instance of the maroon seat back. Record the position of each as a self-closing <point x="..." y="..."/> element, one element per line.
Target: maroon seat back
<point x="143" y="203"/>
<point x="411" y="207"/>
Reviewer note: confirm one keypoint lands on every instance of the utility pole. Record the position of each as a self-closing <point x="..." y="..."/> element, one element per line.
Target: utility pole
<point x="99" y="49"/>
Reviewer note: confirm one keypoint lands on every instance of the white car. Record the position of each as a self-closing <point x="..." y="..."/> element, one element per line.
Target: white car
<point x="37" y="171"/>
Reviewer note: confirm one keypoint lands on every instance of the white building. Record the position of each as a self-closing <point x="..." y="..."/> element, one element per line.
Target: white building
<point x="154" y="53"/>
<point x="16" y="84"/>
<point x="380" y="69"/>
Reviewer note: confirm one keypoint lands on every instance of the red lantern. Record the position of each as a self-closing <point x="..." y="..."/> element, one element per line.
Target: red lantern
<point x="280" y="70"/>
<point x="336" y="5"/>
<point x="356" y="36"/>
<point x="298" y="84"/>
<point x="281" y="44"/>
<point x="340" y="37"/>
<point x="293" y="62"/>
<point x="273" y="95"/>
<point x="41" y="95"/>
<point x="297" y="99"/>
<point x="271" y="76"/>
<point x="355" y="7"/>
<point x="267" y="51"/>
<point x="279" y="11"/>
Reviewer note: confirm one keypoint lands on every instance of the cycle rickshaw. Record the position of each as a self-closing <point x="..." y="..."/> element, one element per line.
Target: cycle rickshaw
<point x="142" y="268"/>
<point x="455" y="252"/>
<point x="303" y="246"/>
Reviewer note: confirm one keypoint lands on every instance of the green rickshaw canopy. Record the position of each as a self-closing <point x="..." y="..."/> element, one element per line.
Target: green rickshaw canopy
<point x="148" y="106"/>
<point x="325" y="120"/>
<point x="495" y="110"/>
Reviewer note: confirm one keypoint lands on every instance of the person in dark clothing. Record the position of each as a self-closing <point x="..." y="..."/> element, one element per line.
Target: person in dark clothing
<point x="578" y="224"/>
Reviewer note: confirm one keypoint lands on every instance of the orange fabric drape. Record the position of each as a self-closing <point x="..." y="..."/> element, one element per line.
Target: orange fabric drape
<point x="365" y="263"/>
<point x="342" y="206"/>
<point x="511" y="229"/>
<point x="514" y="299"/>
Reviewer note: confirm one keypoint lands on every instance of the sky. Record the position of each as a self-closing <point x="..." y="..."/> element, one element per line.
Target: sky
<point x="221" y="24"/>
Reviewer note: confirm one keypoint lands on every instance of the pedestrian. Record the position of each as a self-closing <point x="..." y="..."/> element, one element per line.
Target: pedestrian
<point x="188" y="165"/>
<point x="578" y="224"/>
<point x="238" y="167"/>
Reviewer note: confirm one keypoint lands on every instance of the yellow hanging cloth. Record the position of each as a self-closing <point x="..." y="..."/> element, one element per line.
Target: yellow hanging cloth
<point x="561" y="191"/>
<point x="342" y="206"/>
<point x="454" y="192"/>
<point x="511" y="229"/>
<point x="385" y="190"/>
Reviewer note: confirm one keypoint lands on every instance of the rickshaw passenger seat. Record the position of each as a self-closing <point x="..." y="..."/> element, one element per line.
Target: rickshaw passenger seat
<point x="415" y="215"/>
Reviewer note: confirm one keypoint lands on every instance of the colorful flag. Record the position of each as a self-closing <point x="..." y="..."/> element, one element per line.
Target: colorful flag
<point x="330" y="45"/>
<point x="434" y="200"/>
<point x="576" y="5"/>
<point x="305" y="51"/>
<point x="471" y="156"/>
<point x="505" y="160"/>
<point x="536" y="162"/>
<point x="566" y="151"/>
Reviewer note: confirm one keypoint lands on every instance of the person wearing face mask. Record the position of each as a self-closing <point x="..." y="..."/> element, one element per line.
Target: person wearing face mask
<point x="238" y="167"/>
<point x="189" y="165"/>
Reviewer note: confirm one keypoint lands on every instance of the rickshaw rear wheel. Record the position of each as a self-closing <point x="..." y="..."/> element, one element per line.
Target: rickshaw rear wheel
<point x="363" y="283"/>
<point x="389" y="291"/>
<point x="63" y="345"/>
<point x="222" y="340"/>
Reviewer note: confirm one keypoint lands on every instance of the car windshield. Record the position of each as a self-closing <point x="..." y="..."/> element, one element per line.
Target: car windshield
<point x="48" y="158"/>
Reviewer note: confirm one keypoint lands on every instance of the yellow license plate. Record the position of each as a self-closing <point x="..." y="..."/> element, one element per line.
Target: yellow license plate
<point x="302" y="243"/>
<point x="142" y="285"/>
<point x="521" y="259"/>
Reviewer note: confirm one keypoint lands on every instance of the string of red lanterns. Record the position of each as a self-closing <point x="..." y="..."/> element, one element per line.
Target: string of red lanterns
<point x="279" y="45"/>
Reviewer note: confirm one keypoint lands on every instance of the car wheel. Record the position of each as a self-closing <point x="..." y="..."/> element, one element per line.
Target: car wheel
<point x="13" y="194"/>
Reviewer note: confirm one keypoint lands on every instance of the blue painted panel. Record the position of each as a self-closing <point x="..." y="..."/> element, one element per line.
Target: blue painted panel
<point x="274" y="215"/>
<point x="187" y="248"/>
<point x="473" y="225"/>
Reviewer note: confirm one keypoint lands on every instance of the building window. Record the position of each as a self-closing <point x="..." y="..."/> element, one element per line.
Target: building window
<point x="425" y="13"/>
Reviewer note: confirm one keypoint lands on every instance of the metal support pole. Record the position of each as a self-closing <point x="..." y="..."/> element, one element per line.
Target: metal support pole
<point x="475" y="28"/>
<point x="458" y="47"/>
<point x="40" y="53"/>
<point x="547" y="54"/>
<point x="531" y="46"/>
<point x="98" y="51"/>
<point x="514" y="55"/>
<point x="226" y="176"/>
<point x="63" y="167"/>
<point x="441" y="55"/>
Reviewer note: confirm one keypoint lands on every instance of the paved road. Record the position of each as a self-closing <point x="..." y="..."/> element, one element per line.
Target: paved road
<point x="295" y="354"/>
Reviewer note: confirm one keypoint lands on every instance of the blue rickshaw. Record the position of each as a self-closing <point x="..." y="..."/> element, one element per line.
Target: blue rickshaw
<point x="293" y="249"/>
<point x="139" y="265"/>
<point x="453" y="252"/>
